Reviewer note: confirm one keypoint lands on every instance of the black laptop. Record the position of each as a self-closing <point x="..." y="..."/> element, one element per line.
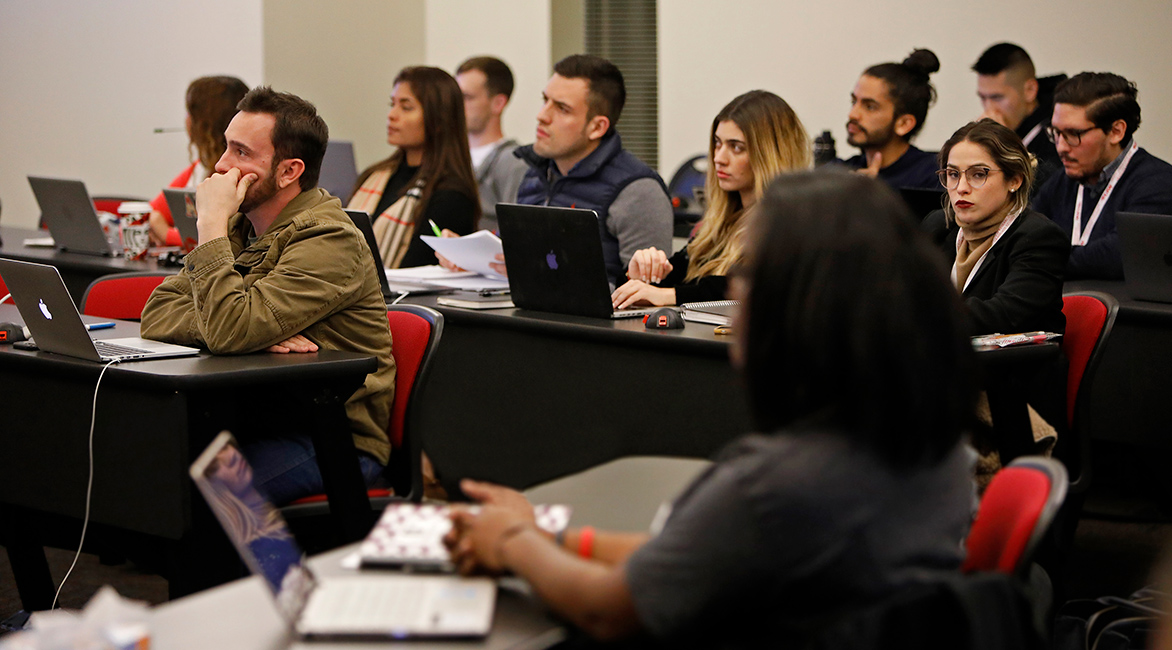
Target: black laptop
<point x="555" y="263"/>
<point x="1145" y="241"/>
<point x="70" y="216"/>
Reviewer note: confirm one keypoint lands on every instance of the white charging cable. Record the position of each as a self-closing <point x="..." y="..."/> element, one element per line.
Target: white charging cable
<point x="89" y="485"/>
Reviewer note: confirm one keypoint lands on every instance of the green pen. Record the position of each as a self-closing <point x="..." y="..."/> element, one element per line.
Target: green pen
<point x="435" y="228"/>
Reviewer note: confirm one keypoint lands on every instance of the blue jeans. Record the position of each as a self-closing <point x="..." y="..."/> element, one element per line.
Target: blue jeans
<point x="285" y="469"/>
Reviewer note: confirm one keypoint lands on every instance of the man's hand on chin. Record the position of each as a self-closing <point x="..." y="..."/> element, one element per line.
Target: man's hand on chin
<point x="217" y="198"/>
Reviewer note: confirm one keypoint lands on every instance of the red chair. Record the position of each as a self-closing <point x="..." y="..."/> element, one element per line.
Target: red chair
<point x="121" y="295"/>
<point x="1017" y="509"/>
<point x="1090" y="316"/>
<point x="415" y="336"/>
<point x="110" y="203"/>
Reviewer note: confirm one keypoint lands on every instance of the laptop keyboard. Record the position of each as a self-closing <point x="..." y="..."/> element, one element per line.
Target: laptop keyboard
<point x="114" y="350"/>
<point x="371" y="604"/>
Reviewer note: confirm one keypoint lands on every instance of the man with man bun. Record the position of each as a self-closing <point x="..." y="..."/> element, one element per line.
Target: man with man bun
<point x="888" y="107"/>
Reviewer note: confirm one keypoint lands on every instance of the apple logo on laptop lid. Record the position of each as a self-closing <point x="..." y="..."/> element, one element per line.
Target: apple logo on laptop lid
<point x="552" y="260"/>
<point x="45" y="310"/>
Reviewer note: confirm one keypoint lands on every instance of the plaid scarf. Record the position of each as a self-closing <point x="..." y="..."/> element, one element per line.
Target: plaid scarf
<point x="393" y="228"/>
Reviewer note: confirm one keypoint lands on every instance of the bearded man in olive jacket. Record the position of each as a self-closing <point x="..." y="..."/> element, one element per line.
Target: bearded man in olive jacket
<point x="280" y="268"/>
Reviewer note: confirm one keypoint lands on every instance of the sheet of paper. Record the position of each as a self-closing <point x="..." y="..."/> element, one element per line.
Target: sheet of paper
<point x="40" y="242"/>
<point x="425" y="274"/>
<point x="474" y="283"/>
<point x="473" y="252"/>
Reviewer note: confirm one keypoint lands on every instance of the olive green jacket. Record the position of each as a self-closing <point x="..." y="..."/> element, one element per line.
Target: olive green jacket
<point x="311" y="273"/>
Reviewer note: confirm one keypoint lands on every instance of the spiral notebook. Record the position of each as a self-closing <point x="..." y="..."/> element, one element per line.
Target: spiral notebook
<point x="716" y="312"/>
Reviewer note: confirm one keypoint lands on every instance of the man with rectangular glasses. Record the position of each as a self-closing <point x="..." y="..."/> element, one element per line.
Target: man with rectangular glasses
<point x="1095" y="118"/>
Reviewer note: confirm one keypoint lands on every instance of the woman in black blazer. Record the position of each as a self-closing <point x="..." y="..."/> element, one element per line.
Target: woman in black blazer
<point x="1006" y="260"/>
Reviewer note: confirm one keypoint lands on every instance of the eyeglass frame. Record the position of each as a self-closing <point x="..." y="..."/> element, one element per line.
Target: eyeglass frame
<point x="940" y="174"/>
<point x="1052" y="133"/>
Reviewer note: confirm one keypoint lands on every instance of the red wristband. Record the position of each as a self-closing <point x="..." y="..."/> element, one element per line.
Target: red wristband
<point x="586" y="542"/>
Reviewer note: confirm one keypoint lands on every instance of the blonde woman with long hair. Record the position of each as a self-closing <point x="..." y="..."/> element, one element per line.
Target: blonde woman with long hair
<point x="753" y="139"/>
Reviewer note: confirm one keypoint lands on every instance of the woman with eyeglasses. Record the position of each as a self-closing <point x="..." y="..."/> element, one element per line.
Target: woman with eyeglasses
<point x="1006" y="260"/>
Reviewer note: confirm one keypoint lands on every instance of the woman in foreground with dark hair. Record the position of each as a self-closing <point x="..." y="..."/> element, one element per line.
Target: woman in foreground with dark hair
<point x="858" y="483"/>
<point x="429" y="177"/>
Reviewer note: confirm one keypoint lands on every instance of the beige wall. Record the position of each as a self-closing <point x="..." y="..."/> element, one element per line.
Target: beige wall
<point x="811" y="53"/>
<point x="83" y="85"/>
<point x="515" y="31"/>
<point x="342" y="56"/>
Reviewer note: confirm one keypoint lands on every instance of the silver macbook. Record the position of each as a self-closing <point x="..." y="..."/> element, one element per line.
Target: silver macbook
<point x="56" y="326"/>
<point x="339" y="172"/>
<point x="375" y="605"/>
<point x="70" y="216"/>
<point x="1145" y="240"/>
<point x="182" y="205"/>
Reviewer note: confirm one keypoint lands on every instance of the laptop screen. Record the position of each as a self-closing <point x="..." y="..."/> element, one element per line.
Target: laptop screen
<point x="254" y="525"/>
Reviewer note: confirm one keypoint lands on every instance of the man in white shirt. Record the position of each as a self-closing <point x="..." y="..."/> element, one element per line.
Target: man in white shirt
<point x="487" y="84"/>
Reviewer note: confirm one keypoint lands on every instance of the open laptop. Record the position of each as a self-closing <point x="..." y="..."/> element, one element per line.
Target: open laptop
<point x="56" y="326"/>
<point x="1145" y="240"/>
<point x="182" y="205"/>
<point x="555" y="261"/>
<point x="922" y="202"/>
<point x="70" y="216"/>
<point x="376" y="605"/>
<point x="339" y="172"/>
<point x="361" y="221"/>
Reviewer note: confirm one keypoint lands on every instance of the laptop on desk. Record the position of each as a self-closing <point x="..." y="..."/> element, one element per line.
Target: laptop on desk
<point x="1145" y="241"/>
<point x="373" y="605"/>
<point x="555" y="262"/>
<point x="182" y="205"/>
<point x="56" y="326"/>
<point x="70" y="216"/>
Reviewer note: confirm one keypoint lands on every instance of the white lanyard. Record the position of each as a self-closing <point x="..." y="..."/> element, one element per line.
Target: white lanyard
<point x="1005" y="224"/>
<point x="1029" y="137"/>
<point x="1078" y="237"/>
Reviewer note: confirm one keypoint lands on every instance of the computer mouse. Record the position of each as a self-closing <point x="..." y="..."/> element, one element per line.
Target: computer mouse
<point x="665" y="318"/>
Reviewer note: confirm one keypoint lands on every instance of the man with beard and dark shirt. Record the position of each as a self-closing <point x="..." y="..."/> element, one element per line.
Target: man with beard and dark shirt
<point x="888" y="107"/>
<point x="1093" y="126"/>
<point x="1007" y="84"/>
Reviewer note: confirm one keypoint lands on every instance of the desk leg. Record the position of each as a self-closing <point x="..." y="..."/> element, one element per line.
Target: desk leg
<point x="34" y="583"/>
<point x="338" y="461"/>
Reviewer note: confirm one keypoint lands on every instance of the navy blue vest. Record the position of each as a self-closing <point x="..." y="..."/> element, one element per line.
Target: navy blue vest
<point x="592" y="184"/>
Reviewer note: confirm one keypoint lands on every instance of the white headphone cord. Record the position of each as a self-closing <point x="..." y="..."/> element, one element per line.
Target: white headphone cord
<point x="89" y="486"/>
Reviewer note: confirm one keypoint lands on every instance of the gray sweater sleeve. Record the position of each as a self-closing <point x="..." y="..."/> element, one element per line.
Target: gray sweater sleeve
<point x="640" y="217"/>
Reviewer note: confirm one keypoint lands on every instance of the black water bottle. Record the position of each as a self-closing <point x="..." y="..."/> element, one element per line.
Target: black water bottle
<point x="824" y="151"/>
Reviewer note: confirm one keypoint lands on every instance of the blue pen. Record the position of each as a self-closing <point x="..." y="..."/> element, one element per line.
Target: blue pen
<point x="99" y="326"/>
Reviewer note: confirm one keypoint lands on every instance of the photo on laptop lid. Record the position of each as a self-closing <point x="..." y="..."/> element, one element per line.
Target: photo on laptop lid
<point x="1145" y="240"/>
<point x="376" y="605"/>
<point x="555" y="262"/>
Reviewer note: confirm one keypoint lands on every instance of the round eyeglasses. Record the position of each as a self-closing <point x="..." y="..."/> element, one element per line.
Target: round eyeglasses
<point x="975" y="176"/>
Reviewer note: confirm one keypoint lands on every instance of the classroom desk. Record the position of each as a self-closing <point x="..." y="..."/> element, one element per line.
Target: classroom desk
<point x="153" y="418"/>
<point x="77" y="269"/>
<point x="521" y="397"/>
<point x="1130" y="393"/>
<point x="241" y="616"/>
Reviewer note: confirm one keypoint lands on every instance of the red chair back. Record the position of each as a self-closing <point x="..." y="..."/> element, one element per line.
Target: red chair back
<point x="1085" y="319"/>
<point x="1015" y="512"/>
<point x="4" y="291"/>
<point x="410" y="334"/>
<point x="121" y="296"/>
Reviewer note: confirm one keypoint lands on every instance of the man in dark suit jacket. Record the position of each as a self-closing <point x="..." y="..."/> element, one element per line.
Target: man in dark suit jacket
<point x="1095" y="117"/>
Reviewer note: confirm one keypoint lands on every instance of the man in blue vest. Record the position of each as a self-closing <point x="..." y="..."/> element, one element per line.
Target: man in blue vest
<point x="578" y="160"/>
